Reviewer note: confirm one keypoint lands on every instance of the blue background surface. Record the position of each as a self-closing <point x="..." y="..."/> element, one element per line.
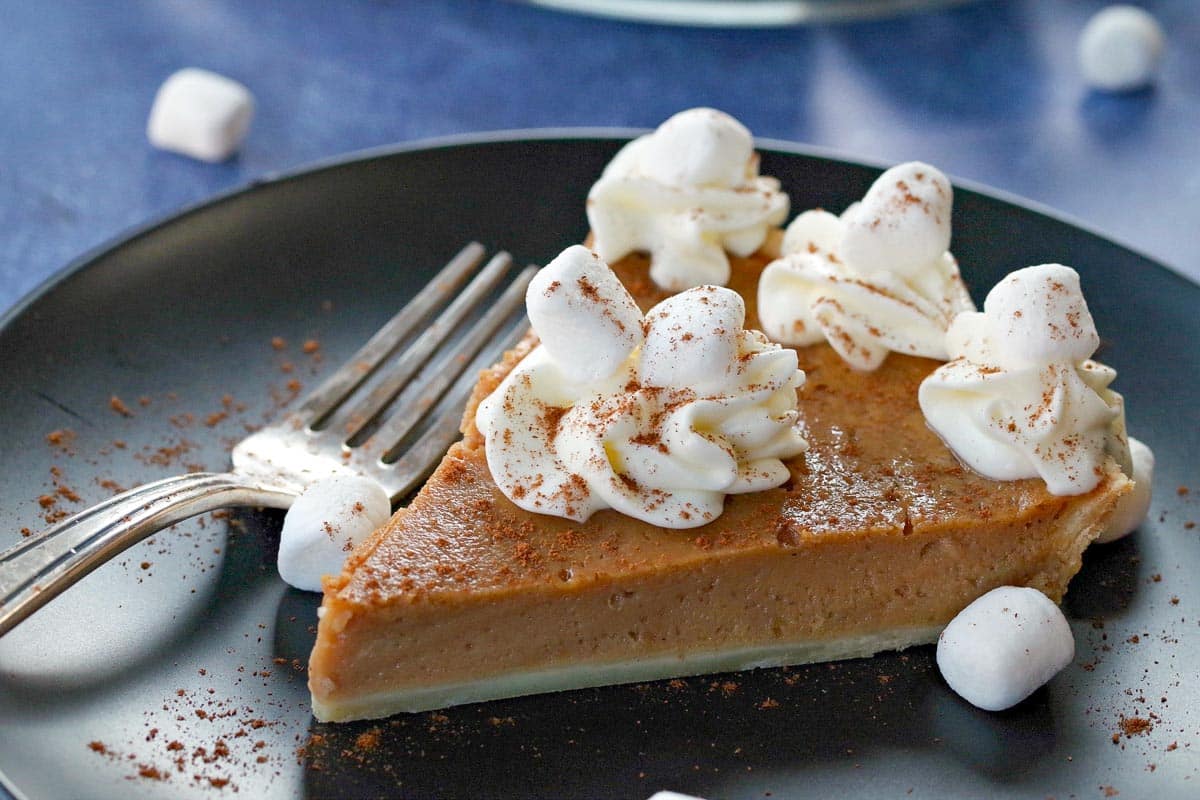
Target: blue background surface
<point x="988" y="91"/>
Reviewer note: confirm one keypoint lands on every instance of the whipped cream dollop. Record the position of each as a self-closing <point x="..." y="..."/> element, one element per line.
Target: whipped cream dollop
<point x="1023" y="399"/>
<point x="877" y="279"/>
<point x="686" y="194"/>
<point x="659" y="417"/>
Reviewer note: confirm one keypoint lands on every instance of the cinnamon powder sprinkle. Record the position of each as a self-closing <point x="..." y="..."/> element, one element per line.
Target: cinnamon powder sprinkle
<point x="118" y="405"/>
<point x="368" y="740"/>
<point x="1133" y="726"/>
<point x="61" y="437"/>
<point x="525" y="555"/>
<point x="588" y="290"/>
<point x="111" y="485"/>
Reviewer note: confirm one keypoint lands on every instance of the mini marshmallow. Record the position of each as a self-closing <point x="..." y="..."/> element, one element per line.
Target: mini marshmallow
<point x="699" y="147"/>
<point x="1132" y="508"/>
<point x="1120" y="48"/>
<point x="585" y="317"/>
<point x="1037" y="315"/>
<point x="692" y="339"/>
<point x="200" y="114"/>
<point x="665" y="795"/>
<point x="902" y="224"/>
<point x="1003" y="646"/>
<point x="329" y="518"/>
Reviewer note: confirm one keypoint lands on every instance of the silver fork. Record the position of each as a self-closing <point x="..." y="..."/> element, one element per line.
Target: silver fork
<point x="340" y="424"/>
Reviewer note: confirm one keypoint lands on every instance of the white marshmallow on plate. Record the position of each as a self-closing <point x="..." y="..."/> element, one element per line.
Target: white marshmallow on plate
<point x="329" y="518"/>
<point x="1003" y="646"/>
<point x="1132" y="507"/>
<point x="1120" y="47"/>
<point x="200" y="114"/>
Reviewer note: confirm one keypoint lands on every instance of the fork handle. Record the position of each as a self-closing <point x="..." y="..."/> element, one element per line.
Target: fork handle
<point x="39" y="568"/>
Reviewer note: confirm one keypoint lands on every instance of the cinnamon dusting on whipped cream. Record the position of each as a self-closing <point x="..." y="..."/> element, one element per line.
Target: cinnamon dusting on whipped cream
<point x="658" y="416"/>
<point x="878" y="279"/>
<point x="1022" y="397"/>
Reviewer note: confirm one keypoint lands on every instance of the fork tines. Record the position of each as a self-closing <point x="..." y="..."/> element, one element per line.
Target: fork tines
<point x="381" y="419"/>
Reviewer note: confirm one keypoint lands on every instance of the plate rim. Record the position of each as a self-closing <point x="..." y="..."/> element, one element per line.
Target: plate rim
<point x="472" y="139"/>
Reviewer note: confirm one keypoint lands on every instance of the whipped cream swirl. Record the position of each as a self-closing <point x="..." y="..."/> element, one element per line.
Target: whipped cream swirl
<point x="1023" y="399"/>
<point x="686" y="194"/>
<point x="657" y="417"/>
<point x="877" y="279"/>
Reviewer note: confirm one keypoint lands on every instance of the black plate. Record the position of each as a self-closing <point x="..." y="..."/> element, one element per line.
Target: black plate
<point x="187" y="652"/>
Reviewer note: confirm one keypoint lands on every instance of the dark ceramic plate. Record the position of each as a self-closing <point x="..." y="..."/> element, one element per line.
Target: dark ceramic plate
<point x="180" y="666"/>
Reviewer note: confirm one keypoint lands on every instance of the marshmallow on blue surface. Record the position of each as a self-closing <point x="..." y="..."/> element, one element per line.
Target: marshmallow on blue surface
<point x="1003" y="646"/>
<point x="200" y="114"/>
<point x="1120" y="48"/>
